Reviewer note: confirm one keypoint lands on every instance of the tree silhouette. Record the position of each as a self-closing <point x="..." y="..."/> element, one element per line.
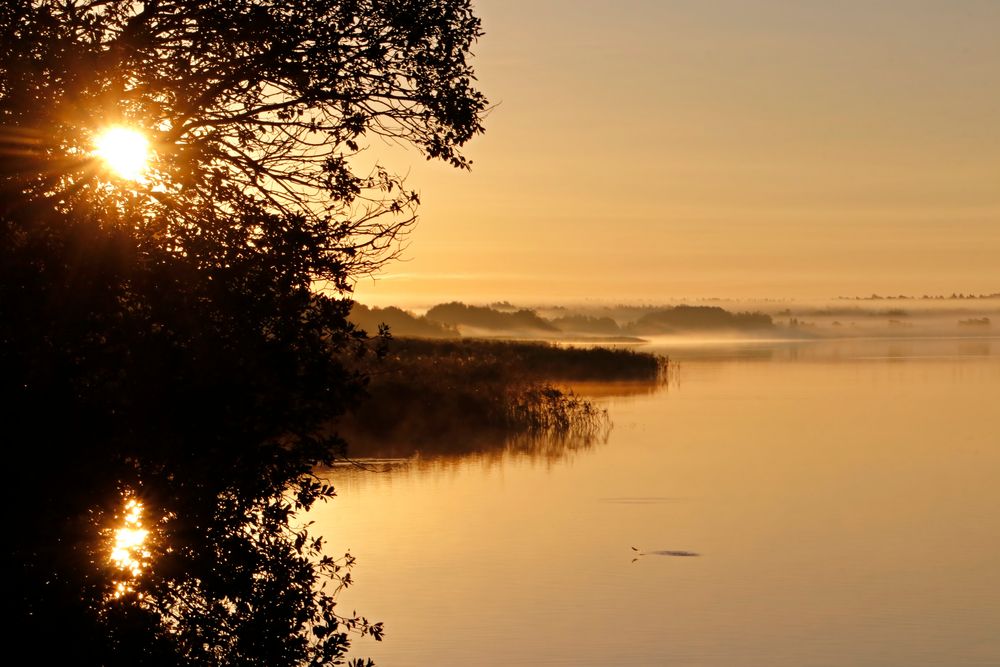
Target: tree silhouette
<point x="162" y="340"/>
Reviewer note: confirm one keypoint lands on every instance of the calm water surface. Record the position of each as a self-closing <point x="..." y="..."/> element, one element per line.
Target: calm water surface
<point x="843" y="497"/>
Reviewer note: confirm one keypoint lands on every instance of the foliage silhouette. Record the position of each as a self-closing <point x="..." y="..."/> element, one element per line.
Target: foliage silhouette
<point x="698" y="318"/>
<point x="587" y="324"/>
<point x="399" y="321"/>
<point x="457" y="314"/>
<point x="162" y="339"/>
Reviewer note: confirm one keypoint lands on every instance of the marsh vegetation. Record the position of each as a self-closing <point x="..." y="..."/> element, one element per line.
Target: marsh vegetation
<point x="433" y="396"/>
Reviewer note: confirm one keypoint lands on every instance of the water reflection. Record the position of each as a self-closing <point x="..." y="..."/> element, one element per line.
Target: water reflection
<point x="819" y="484"/>
<point x="404" y="445"/>
<point x="976" y="348"/>
<point x="826" y="350"/>
<point x="129" y="550"/>
<point x="396" y="450"/>
<point x="624" y="389"/>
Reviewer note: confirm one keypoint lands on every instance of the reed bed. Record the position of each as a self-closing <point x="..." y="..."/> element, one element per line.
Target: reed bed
<point x="451" y="396"/>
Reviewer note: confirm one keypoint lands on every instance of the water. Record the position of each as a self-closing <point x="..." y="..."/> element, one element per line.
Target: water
<point x="842" y="496"/>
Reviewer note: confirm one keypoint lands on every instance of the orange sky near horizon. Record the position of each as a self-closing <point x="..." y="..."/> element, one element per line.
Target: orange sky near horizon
<point x="646" y="150"/>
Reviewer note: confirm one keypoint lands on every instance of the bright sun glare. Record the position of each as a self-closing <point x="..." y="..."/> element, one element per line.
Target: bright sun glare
<point x="124" y="150"/>
<point x="129" y="551"/>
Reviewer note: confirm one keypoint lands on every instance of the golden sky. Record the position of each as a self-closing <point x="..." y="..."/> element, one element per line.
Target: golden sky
<point x="644" y="150"/>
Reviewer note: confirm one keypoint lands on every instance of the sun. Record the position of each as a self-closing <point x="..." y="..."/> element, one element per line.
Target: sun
<point x="124" y="150"/>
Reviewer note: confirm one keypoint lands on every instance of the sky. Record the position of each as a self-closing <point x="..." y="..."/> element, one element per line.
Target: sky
<point x="648" y="150"/>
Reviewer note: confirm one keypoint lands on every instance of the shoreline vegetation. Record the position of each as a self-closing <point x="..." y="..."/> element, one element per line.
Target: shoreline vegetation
<point x="453" y="397"/>
<point x="462" y="379"/>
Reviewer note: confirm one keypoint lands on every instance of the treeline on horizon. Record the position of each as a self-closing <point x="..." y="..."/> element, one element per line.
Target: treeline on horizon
<point x="954" y="296"/>
<point x="451" y="320"/>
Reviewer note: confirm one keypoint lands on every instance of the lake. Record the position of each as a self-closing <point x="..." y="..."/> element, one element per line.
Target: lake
<point x="841" y="496"/>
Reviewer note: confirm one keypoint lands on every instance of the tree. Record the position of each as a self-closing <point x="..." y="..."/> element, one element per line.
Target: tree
<point x="162" y="340"/>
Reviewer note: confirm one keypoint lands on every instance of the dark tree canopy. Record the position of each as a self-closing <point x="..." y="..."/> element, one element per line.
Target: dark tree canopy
<point x="161" y="340"/>
<point x="251" y="107"/>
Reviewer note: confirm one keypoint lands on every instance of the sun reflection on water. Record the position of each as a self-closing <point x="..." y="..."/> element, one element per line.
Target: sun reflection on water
<point x="130" y="551"/>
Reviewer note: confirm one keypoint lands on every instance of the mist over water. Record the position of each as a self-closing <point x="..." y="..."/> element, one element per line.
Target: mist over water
<point x="698" y="323"/>
<point x="838" y="495"/>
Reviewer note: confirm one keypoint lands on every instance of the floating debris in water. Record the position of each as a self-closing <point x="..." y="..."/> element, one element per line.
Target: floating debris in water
<point x="676" y="553"/>
<point x="641" y="500"/>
